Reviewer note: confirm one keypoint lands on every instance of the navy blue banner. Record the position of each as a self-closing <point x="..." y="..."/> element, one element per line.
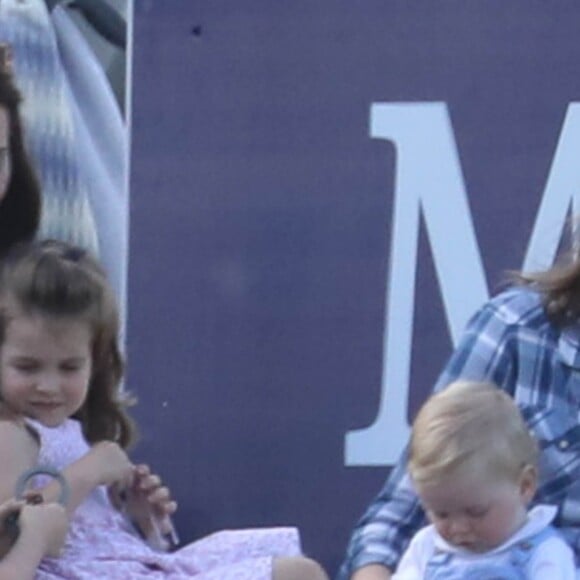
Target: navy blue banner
<point x="322" y="193"/>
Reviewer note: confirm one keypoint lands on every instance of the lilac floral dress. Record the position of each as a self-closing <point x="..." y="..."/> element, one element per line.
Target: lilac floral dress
<point x="102" y="544"/>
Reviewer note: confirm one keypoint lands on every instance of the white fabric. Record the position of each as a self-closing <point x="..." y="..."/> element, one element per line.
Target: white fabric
<point x="101" y="144"/>
<point x="553" y="559"/>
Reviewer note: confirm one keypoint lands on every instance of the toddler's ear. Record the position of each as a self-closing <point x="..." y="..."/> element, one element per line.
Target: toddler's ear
<point x="528" y="483"/>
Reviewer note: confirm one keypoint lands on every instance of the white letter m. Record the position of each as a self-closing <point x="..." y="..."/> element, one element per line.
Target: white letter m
<point x="428" y="179"/>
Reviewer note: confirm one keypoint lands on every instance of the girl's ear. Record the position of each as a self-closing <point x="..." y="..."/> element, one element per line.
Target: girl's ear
<point x="528" y="483"/>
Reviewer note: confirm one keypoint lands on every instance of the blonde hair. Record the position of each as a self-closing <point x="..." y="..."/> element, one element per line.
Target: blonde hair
<point x="469" y="423"/>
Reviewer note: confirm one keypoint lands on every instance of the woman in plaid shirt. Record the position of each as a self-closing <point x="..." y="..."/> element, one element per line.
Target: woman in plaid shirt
<point x="526" y="340"/>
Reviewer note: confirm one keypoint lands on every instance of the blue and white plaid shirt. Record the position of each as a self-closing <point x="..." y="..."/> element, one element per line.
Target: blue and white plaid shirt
<point x="510" y="342"/>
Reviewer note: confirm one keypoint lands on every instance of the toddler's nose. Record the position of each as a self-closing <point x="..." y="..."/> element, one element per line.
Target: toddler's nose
<point x="47" y="383"/>
<point x="458" y="525"/>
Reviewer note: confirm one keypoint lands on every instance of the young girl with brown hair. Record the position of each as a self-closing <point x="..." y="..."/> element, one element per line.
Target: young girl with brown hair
<point x="60" y="368"/>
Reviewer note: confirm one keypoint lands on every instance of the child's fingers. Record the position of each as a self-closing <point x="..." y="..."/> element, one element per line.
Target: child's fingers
<point x="171" y="508"/>
<point x="142" y="470"/>
<point x="150" y="483"/>
<point x="159" y="495"/>
<point x="33" y="497"/>
<point x="162" y="501"/>
<point x="10" y="506"/>
<point x="147" y="481"/>
<point x="165" y="509"/>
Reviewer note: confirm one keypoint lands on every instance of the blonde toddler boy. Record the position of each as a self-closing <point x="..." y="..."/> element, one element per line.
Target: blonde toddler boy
<point x="473" y="463"/>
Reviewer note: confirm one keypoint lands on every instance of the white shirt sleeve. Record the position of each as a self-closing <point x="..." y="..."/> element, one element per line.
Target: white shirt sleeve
<point x="552" y="559"/>
<point x="414" y="561"/>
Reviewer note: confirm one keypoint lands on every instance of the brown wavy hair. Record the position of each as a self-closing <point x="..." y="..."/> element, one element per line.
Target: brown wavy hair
<point x="20" y="207"/>
<point x="558" y="285"/>
<point x="56" y="279"/>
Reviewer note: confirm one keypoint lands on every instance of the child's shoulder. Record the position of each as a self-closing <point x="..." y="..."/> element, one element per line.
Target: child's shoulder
<point x="553" y="557"/>
<point x="12" y="426"/>
<point x="16" y="435"/>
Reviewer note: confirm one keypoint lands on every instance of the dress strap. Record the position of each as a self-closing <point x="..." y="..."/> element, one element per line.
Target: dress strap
<point x="522" y="551"/>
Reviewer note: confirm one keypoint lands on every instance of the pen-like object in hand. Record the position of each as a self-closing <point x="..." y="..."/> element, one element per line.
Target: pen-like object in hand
<point x="164" y="536"/>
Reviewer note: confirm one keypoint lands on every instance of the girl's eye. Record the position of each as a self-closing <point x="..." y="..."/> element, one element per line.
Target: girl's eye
<point x="70" y="368"/>
<point x="441" y="515"/>
<point x="26" y="367"/>
<point x="73" y="365"/>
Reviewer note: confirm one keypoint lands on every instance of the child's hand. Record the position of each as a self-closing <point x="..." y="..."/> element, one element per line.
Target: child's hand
<point x="48" y="522"/>
<point x="150" y="488"/>
<point x="8" y="508"/>
<point x="109" y="464"/>
<point x="148" y="498"/>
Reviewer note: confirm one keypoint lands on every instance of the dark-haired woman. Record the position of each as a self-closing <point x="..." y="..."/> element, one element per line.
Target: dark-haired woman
<point x="19" y="187"/>
<point x="74" y="129"/>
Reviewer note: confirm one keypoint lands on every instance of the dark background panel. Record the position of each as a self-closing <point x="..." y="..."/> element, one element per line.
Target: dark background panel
<point x="261" y="219"/>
